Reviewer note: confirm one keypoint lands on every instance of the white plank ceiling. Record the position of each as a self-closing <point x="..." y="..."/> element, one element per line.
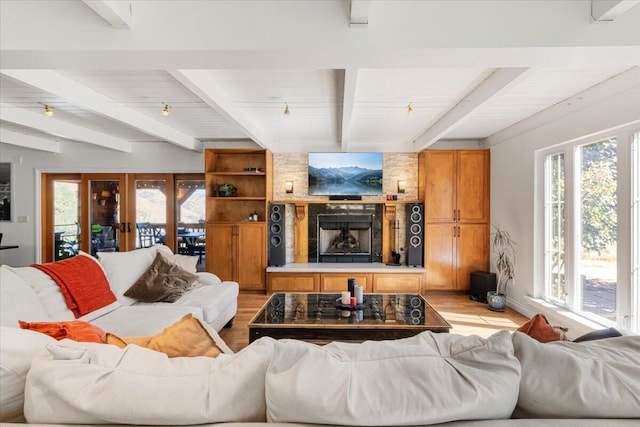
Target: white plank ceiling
<point x="340" y="97"/>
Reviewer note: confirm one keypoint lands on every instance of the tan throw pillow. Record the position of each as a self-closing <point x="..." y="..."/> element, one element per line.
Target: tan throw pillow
<point x="188" y="337"/>
<point x="163" y="281"/>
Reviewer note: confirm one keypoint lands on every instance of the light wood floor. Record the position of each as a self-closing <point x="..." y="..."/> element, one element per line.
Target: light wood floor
<point x="467" y="317"/>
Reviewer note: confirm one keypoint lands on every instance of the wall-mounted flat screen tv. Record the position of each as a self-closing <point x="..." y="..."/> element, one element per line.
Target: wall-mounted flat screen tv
<point x="344" y="174"/>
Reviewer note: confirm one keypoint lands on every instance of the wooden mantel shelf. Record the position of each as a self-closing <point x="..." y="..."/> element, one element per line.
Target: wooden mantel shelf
<point x="342" y="267"/>
<point x="343" y="202"/>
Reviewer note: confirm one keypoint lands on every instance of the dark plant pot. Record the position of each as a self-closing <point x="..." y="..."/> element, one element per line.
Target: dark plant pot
<point x="496" y="301"/>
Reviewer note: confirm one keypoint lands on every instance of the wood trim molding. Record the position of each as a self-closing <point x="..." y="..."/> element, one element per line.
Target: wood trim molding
<point x="301" y="250"/>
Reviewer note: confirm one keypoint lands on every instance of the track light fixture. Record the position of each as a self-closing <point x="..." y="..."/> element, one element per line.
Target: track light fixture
<point x="286" y="109"/>
<point x="409" y="109"/>
<point x="165" y="110"/>
<point x="48" y="111"/>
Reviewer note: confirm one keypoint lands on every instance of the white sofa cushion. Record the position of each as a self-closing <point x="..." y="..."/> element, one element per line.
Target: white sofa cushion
<point x="426" y="379"/>
<point x="143" y="320"/>
<point x="47" y="291"/>
<point x="592" y="379"/>
<point x="213" y="297"/>
<point x="124" y="268"/>
<point x="18" y="300"/>
<point x="17" y="348"/>
<point x="96" y="383"/>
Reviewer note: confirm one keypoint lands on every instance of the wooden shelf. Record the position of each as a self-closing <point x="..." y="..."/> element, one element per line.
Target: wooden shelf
<point x="346" y="202"/>
<point x="238" y="199"/>
<point x="236" y="247"/>
<point x="237" y="173"/>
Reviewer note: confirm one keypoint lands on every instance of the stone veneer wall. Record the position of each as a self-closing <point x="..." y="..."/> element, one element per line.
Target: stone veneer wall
<point x="293" y="167"/>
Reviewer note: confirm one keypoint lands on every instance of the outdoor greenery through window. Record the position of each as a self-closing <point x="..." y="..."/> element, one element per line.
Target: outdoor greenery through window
<point x="635" y="234"/>
<point x="555" y="230"/>
<point x="582" y="213"/>
<point x="599" y="227"/>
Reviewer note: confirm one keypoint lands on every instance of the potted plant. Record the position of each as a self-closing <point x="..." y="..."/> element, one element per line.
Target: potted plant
<point x="504" y="258"/>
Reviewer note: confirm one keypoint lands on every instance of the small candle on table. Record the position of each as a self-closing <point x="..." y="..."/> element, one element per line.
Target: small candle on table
<point x="346" y="297"/>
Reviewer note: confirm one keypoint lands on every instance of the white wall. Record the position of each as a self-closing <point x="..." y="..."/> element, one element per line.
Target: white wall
<point x="27" y="165"/>
<point x="514" y="199"/>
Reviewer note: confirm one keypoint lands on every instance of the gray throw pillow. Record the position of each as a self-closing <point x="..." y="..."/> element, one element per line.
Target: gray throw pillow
<point x="163" y="281"/>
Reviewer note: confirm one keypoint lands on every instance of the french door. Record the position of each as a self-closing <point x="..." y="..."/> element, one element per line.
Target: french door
<point x="116" y="212"/>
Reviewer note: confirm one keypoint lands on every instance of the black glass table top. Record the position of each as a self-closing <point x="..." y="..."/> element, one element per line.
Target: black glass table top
<point x="325" y="309"/>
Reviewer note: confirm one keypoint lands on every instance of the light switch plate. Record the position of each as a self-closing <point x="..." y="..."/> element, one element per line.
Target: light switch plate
<point x="23" y="218"/>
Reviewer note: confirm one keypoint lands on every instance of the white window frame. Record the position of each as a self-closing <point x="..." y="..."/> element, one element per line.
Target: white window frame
<point x="628" y="258"/>
<point x="634" y="291"/>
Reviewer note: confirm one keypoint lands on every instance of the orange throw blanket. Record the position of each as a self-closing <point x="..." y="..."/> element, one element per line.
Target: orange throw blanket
<point x="82" y="281"/>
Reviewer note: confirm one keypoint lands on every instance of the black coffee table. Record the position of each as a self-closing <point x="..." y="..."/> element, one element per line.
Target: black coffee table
<point x="319" y="317"/>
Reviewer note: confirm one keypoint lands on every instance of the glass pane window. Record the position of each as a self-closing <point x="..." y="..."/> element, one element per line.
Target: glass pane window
<point x="66" y="219"/>
<point x="191" y="197"/>
<point x="105" y="216"/>
<point x="635" y="234"/>
<point x="597" y="265"/>
<point x="555" y="228"/>
<point x="151" y="212"/>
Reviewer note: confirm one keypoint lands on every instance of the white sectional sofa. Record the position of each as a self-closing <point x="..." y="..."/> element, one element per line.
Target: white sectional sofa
<point x="429" y="379"/>
<point x="29" y="294"/>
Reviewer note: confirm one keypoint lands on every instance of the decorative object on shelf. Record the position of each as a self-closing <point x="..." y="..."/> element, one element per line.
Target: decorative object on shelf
<point x="224" y="190"/>
<point x="288" y="186"/>
<point x="504" y="257"/>
<point x="251" y="170"/>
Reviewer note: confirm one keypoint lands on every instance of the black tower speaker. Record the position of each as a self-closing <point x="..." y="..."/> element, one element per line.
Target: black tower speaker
<point x="277" y="242"/>
<point x="415" y="235"/>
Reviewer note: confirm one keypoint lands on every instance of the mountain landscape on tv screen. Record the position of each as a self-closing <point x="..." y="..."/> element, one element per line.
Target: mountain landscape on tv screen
<point x="346" y="180"/>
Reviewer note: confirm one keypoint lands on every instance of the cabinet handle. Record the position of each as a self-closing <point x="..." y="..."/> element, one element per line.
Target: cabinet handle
<point x="458" y="231"/>
<point x="128" y="227"/>
<point x="454" y="214"/>
<point x="458" y="215"/>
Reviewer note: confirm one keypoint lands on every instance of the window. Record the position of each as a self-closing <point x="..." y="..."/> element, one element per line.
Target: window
<point x="586" y="264"/>
<point x="555" y="229"/>
<point x="635" y="234"/>
<point x="598" y="212"/>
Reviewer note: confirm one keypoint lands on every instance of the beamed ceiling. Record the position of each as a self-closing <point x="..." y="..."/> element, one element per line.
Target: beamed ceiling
<point x="348" y="70"/>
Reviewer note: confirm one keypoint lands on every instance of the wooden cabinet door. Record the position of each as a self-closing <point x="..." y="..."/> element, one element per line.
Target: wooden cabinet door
<point x="252" y="255"/>
<point x="298" y="282"/>
<point x="397" y="282"/>
<point x="473" y="252"/>
<point x="440" y="256"/>
<point x="221" y="250"/>
<point x="472" y="186"/>
<point x="440" y="182"/>
<point x="337" y="282"/>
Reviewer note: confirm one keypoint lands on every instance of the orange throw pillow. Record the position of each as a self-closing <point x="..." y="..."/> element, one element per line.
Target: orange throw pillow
<point x="539" y="329"/>
<point x="76" y="330"/>
<point x="185" y="338"/>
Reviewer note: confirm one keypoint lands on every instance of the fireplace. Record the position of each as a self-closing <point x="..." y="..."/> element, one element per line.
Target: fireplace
<point x="345" y="238"/>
